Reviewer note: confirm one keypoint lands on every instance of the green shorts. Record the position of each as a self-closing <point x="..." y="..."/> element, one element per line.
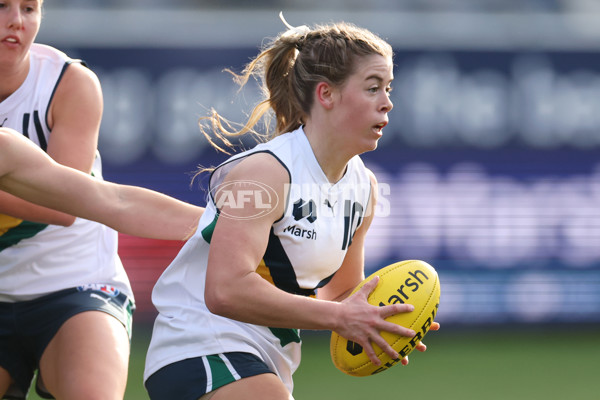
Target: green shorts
<point x="27" y="327"/>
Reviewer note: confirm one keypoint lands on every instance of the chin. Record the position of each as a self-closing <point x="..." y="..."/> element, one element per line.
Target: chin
<point x="369" y="146"/>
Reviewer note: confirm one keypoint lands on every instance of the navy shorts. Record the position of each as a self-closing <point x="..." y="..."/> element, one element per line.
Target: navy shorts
<point x="192" y="378"/>
<point x="27" y="327"/>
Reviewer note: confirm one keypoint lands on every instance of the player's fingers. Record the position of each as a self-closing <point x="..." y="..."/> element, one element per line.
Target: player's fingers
<point x="368" y="287"/>
<point x="388" y="311"/>
<point x="370" y="352"/>
<point x="386" y="347"/>
<point x="404" y="361"/>
<point x="421" y="346"/>
<point x="395" y="328"/>
<point x="434" y="326"/>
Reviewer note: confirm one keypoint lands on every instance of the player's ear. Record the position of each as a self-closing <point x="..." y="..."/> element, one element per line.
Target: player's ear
<point x="324" y="94"/>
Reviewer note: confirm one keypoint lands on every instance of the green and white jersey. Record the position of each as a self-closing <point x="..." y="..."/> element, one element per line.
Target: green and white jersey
<point x="37" y="259"/>
<point x="306" y="247"/>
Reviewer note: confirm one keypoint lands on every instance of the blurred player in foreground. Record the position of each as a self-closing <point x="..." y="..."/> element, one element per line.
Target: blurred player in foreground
<point x="60" y="276"/>
<point x="29" y="173"/>
<point x="281" y="244"/>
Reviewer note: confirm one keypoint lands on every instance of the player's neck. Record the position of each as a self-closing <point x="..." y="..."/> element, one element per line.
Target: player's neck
<point x="331" y="159"/>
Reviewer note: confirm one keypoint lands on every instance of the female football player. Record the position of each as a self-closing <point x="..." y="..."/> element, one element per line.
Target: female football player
<point x="281" y="244"/>
<point x="60" y="276"/>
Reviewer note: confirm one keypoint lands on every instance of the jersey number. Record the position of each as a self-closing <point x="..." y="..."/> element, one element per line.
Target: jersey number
<point x="353" y="213"/>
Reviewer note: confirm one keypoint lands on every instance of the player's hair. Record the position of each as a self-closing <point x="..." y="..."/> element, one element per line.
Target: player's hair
<point x="290" y="67"/>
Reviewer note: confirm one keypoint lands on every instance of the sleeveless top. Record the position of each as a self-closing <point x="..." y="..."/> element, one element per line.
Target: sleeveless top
<point x="306" y="246"/>
<point x="38" y="259"/>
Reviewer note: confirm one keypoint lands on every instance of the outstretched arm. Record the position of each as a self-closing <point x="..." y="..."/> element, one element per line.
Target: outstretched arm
<point x="27" y="172"/>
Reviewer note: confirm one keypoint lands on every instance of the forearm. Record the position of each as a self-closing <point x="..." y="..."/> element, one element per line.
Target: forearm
<point x="21" y="209"/>
<point x="129" y="209"/>
<point x="254" y="300"/>
<point x="146" y="213"/>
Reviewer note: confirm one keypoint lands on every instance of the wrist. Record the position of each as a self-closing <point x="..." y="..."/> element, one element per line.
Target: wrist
<point x="333" y="315"/>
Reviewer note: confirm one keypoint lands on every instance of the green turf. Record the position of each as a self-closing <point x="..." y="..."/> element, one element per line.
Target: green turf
<point x="483" y="365"/>
<point x="515" y="364"/>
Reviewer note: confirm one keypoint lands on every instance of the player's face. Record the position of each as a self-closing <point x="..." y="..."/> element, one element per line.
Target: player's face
<point x="364" y="103"/>
<point x="19" y="25"/>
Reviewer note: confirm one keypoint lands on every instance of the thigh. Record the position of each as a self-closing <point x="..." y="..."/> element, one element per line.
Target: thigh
<point x="87" y="358"/>
<point x="259" y="387"/>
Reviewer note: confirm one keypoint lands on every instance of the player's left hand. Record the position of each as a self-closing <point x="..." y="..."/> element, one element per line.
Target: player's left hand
<point x="421" y="346"/>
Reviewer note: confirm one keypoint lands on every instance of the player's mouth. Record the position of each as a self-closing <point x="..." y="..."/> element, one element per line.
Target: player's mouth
<point x="379" y="127"/>
<point x="11" y="40"/>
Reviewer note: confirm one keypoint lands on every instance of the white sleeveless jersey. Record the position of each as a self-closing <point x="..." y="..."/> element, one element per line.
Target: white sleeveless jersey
<point x="37" y="259"/>
<point x="305" y="248"/>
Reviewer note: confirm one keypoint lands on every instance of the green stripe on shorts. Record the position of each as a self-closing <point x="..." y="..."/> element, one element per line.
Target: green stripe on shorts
<point x="221" y="375"/>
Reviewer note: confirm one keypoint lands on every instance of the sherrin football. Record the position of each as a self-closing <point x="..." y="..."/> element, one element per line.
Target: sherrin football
<point x="412" y="282"/>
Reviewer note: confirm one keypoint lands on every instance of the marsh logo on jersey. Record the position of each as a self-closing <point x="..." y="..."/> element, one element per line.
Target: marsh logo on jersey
<point x="109" y="290"/>
<point x="303" y="209"/>
<point x="303" y="233"/>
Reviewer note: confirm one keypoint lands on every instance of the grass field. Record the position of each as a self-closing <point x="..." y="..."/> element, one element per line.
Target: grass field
<point x="544" y="363"/>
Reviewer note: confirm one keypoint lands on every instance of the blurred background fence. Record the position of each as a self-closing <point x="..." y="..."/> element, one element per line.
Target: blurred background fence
<point x="489" y="168"/>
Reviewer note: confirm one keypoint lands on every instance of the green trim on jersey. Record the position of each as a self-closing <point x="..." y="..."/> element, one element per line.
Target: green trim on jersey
<point x="208" y="230"/>
<point x="286" y="336"/>
<point x="24" y="230"/>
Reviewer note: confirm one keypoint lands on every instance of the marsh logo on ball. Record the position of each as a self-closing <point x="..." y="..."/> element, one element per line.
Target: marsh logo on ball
<point x="244" y="199"/>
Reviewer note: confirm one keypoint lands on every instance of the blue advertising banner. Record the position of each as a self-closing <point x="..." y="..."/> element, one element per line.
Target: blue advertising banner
<point x="489" y="168"/>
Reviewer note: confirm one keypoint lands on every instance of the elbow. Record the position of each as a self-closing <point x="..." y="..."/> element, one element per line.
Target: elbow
<point x="64" y="220"/>
<point x="217" y="301"/>
<point x="70" y="221"/>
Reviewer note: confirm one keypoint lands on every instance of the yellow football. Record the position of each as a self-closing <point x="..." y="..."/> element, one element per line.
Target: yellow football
<point x="412" y="282"/>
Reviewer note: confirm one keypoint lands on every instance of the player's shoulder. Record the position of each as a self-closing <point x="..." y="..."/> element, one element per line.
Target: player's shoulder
<point x="261" y="165"/>
<point x="271" y="157"/>
<point x="79" y="79"/>
<point x="79" y="74"/>
<point x="73" y="68"/>
<point x="73" y="74"/>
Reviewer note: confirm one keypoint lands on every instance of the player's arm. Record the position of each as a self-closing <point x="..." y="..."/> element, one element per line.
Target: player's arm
<point x="235" y="290"/>
<point x="27" y="172"/>
<point x="351" y="272"/>
<point x="74" y="117"/>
